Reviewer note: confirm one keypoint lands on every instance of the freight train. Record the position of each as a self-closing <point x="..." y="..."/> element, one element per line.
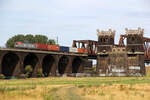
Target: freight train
<point x="38" y="46"/>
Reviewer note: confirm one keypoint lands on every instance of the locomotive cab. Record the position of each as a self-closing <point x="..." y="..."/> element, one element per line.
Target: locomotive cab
<point x="17" y="44"/>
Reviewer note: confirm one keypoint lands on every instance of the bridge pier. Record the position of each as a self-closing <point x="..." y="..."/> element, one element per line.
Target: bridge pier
<point x="38" y="65"/>
<point x="54" y="67"/>
<point x="79" y="65"/>
<point x="21" y="62"/>
<point x="17" y="70"/>
<point x="69" y="65"/>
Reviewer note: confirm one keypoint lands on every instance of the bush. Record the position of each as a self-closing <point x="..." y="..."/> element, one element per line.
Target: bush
<point x="39" y="72"/>
<point x="28" y="70"/>
<point x="2" y="76"/>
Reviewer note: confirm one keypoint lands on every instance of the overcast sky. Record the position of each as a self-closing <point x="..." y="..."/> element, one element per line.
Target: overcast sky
<point x="71" y="19"/>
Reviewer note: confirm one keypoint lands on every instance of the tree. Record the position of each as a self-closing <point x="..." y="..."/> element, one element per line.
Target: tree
<point x="40" y="39"/>
<point x="12" y="40"/>
<point x="52" y="42"/>
<point x="29" y="38"/>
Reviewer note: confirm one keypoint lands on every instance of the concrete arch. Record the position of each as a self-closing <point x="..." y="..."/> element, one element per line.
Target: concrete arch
<point x="62" y="64"/>
<point x="9" y="63"/>
<point x="30" y="59"/>
<point x="76" y="64"/>
<point x="47" y="64"/>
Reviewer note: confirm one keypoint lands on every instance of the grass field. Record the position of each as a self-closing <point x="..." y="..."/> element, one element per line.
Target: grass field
<point x="69" y="88"/>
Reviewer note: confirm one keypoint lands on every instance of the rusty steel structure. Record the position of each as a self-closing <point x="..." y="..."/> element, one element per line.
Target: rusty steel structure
<point x="90" y="45"/>
<point x="147" y="49"/>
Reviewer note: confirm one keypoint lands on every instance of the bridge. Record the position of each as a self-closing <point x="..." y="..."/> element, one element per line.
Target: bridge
<point x="13" y="62"/>
<point x="123" y="59"/>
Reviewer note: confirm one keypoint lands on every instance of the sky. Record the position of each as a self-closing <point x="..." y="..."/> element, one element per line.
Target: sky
<point x="72" y="19"/>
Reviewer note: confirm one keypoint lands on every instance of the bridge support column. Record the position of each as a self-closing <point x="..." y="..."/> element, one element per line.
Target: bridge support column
<point x="141" y="63"/>
<point x="81" y="67"/>
<point x="19" y="69"/>
<point x="38" y="65"/>
<point x="102" y="65"/>
<point x="136" y="66"/>
<point x="54" y="69"/>
<point x="69" y="66"/>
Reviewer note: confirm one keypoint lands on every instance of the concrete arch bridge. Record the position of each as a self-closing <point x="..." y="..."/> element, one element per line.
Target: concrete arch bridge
<point x="13" y="62"/>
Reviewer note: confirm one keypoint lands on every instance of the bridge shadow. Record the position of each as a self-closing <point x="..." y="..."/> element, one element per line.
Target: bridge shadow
<point x="76" y="64"/>
<point x="31" y="59"/>
<point x="47" y="64"/>
<point x="62" y="64"/>
<point x="9" y="62"/>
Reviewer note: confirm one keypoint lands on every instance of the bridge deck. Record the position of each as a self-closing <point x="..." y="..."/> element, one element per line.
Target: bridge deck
<point x="42" y="51"/>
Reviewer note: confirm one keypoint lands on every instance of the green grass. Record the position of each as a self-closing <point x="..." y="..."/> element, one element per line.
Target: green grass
<point x="75" y="81"/>
<point x="4" y="88"/>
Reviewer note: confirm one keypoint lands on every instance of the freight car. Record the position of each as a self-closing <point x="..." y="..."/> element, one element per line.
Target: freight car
<point x="38" y="46"/>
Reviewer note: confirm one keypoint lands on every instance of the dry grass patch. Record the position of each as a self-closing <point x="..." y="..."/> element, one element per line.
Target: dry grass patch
<point x="68" y="88"/>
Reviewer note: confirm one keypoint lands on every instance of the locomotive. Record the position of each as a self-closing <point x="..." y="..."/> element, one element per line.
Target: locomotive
<point x="25" y="45"/>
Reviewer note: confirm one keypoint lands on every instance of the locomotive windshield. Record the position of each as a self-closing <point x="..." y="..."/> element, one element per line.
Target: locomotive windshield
<point x="16" y="43"/>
